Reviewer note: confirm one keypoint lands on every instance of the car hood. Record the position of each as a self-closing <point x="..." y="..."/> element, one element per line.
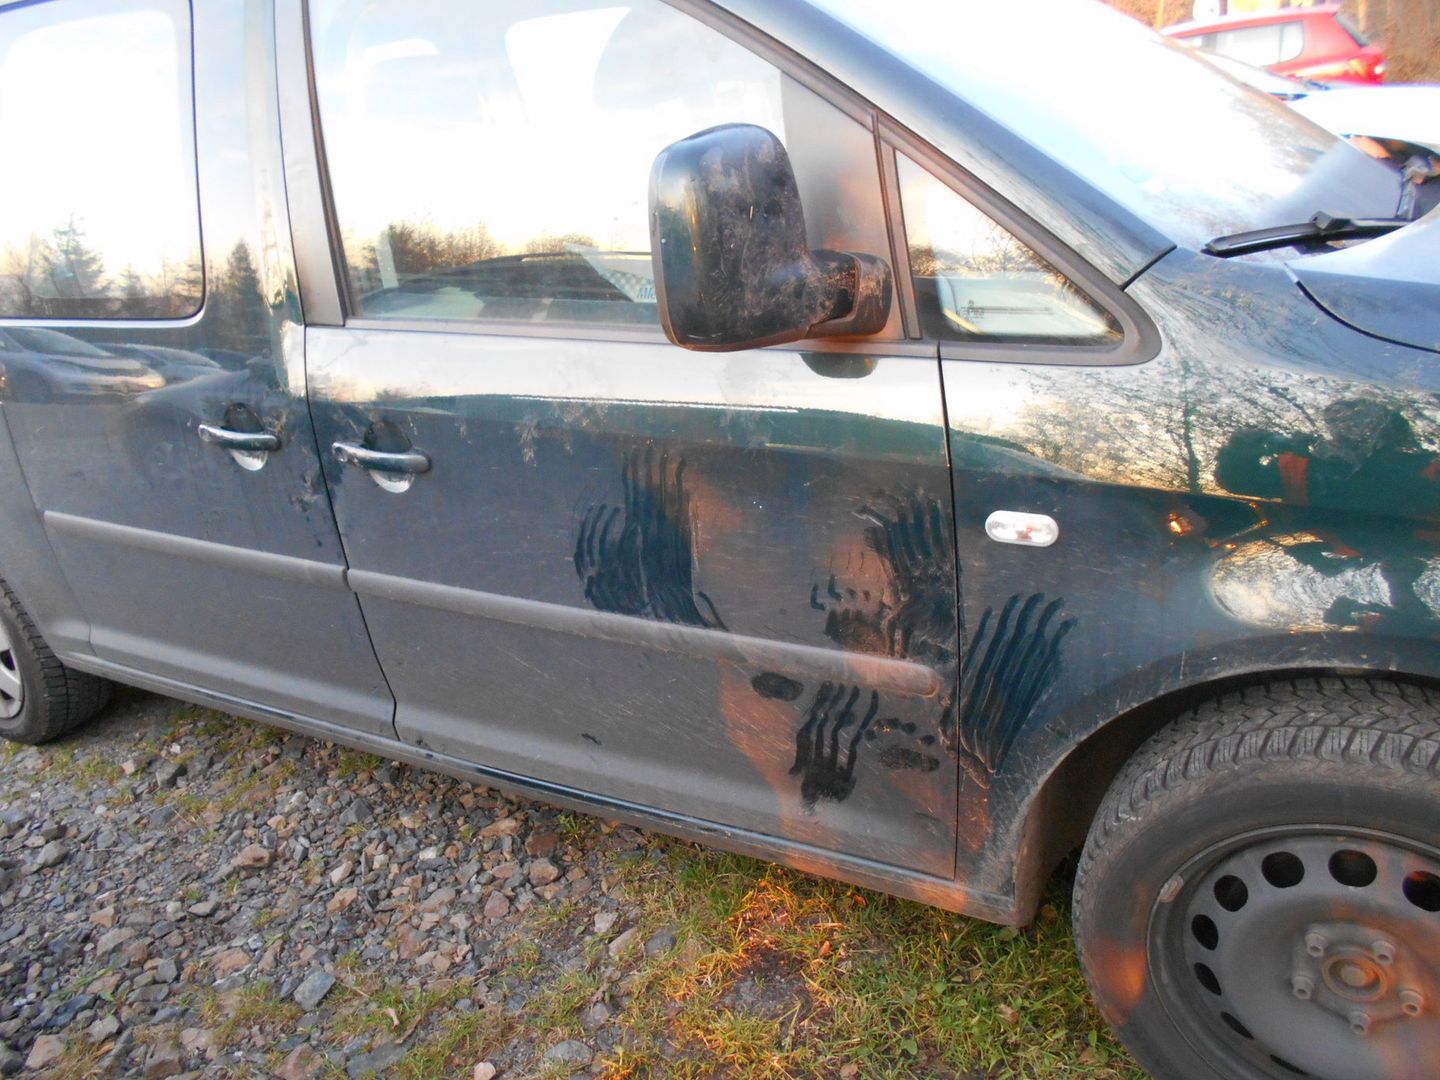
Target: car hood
<point x="1388" y="287"/>
<point x="1406" y="113"/>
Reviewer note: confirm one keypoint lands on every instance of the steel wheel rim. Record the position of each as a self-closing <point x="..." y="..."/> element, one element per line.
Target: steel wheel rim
<point x="1329" y="971"/>
<point x="12" y="686"/>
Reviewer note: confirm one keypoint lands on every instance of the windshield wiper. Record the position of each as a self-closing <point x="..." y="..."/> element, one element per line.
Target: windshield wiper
<point x="1322" y="226"/>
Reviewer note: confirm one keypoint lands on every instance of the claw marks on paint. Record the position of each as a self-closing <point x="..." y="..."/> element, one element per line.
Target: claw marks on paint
<point x="909" y="612"/>
<point x="1009" y="664"/>
<point x="826" y="743"/>
<point x="638" y="558"/>
<point x="913" y="617"/>
<point x="840" y="720"/>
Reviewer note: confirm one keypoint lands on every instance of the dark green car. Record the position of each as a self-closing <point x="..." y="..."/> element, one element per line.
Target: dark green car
<point x="888" y="439"/>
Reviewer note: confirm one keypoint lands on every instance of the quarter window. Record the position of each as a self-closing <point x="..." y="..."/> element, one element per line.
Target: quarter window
<point x="974" y="281"/>
<point x="491" y="161"/>
<point x="99" y="216"/>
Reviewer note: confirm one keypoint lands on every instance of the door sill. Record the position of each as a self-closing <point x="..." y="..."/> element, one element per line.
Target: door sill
<point x="912" y="885"/>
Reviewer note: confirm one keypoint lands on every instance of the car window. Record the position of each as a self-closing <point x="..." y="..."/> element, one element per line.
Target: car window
<point x="492" y="162"/>
<point x="974" y="281"/>
<point x="1261" y="45"/>
<point x="99" y="215"/>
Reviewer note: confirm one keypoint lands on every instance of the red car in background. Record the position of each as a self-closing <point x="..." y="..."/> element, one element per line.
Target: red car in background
<point x="1305" y="43"/>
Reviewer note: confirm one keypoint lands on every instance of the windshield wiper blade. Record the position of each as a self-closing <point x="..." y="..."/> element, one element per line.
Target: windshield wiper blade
<point x="1322" y="226"/>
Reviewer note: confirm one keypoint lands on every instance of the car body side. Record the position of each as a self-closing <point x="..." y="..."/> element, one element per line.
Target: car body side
<point x="1250" y="495"/>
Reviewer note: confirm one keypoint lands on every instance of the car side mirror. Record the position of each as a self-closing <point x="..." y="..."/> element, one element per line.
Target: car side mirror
<point x="732" y="266"/>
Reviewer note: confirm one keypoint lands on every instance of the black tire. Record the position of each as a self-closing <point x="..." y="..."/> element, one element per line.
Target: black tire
<point x="50" y="698"/>
<point x="1259" y="896"/>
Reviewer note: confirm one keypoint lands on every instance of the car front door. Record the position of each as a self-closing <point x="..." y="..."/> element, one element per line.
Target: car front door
<point x="155" y="399"/>
<point x="717" y="586"/>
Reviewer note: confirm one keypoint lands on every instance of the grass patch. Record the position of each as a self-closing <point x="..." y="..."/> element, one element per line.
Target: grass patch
<point x="254" y="1006"/>
<point x="374" y="1007"/>
<point x="553" y="1013"/>
<point x="354" y="762"/>
<point x="79" y="1061"/>
<point x="779" y="974"/>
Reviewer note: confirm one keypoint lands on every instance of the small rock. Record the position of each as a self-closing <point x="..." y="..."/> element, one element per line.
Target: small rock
<point x="660" y="942"/>
<point x="498" y="906"/>
<point x="341" y="871"/>
<point x="484" y="1071"/>
<point x="358" y="811"/>
<point x="595" y="1016"/>
<point x="204" y="909"/>
<point x="163" y="1060"/>
<point x="229" y="962"/>
<point x="166" y="971"/>
<point x="303" y="1063"/>
<point x="104" y="916"/>
<point x="541" y="844"/>
<point x="252" y="857"/>
<point x="570" y="1052"/>
<point x="107" y="1027"/>
<point x="112" y="940"/>
<point x="12" y="821"/>
<point x="10" y="1061"/>
<point x="313" y="990"/>
<point x="52" y="854"/>
<point x="196" y="1040"/>
<point x="622" y="944"/>
<point x="376" y="1061"/>
<point x="45" y="1051"/>
<point x="504" y="827"/>
<point x="605" y="921"/>
<point x="543" y="872"/>
<point x="168" y="772"/>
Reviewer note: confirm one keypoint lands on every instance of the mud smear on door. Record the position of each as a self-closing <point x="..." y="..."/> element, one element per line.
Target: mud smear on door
<point x="906" y="611"/>
<point x="637" y="557"/>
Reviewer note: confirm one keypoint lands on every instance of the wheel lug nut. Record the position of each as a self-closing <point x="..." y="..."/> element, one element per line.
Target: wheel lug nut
<point x="1411" y="1002"/>
<point x="1384" y="952"/>
<point x="1315" y="944"/>
<point x="1303" y="986"/>
<point x="1359" y="1023"/>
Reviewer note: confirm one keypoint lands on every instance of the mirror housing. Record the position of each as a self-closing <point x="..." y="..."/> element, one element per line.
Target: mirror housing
<point x="732" y="266"/>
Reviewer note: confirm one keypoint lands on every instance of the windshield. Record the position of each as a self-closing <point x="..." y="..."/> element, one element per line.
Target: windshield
<point x="1191" y="151"/>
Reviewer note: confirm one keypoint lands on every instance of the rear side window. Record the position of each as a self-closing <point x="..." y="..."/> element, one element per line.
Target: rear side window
<point x="491" y="162"/>
<point x="1260" y="46"/>
<point x="99" y="217"/>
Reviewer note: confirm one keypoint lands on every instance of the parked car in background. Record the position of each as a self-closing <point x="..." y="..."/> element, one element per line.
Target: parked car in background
<point x="775" y="423"/>
<point x="1317" y="42"/>
<point x="1404" y="120"/>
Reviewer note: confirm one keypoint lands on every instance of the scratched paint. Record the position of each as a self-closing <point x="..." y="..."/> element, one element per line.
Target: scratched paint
<point x="637" y="557"/>
<point x="1010" y="663"/>
<point x="907" y="612"/>
<point x="826" y="743"/>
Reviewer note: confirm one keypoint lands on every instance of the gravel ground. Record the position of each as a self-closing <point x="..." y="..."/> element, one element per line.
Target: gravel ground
<point x="186" y="894"/>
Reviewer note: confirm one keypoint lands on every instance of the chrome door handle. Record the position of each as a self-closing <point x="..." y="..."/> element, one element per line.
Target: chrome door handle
<point x="406" y="463"/>
<point x="253" y="442"/>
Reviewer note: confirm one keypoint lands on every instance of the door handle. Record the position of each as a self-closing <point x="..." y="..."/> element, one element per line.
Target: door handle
<point x="253" y="442"/>
<point x="405" y="463"/>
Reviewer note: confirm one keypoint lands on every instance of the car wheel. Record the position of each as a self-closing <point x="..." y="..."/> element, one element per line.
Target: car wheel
<point x="1259" y="896"/>
<point x="40" y="698"/>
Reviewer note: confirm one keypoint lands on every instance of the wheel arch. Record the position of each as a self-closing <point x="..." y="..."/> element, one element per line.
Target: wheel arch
<point x="1057" y="818"/>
